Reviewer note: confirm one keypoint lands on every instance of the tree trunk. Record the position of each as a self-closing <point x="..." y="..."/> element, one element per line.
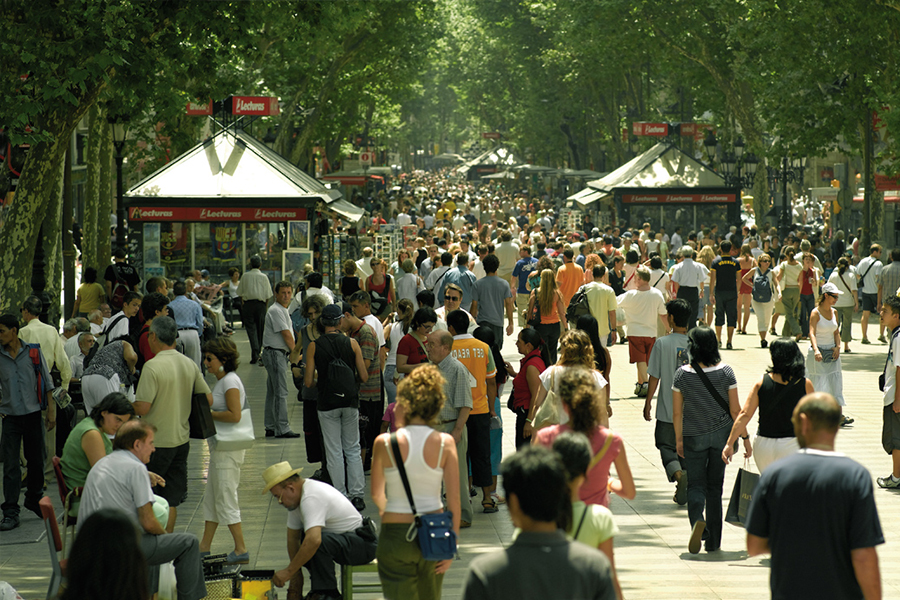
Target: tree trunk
<point x="104" y="205"/>
<point x="92" y="189"/>
<point x="51" y="239"/>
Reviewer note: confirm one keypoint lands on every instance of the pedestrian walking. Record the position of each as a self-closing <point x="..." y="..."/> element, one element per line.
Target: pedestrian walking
<point x="255" y="291"/>
<point x="278" y="342"/>
<point x="848" y="301"/>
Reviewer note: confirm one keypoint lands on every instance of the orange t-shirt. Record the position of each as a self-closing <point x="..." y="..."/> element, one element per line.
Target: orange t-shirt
<point x="569" y="277"/>
<point x="476" y="357"/>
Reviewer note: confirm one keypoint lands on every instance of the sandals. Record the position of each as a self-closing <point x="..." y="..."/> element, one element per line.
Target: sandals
<point x="490" y="507"/>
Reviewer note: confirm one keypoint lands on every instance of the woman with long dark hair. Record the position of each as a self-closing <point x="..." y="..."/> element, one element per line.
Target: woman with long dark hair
<point x="549" y="299"/>
<point x="527" y="381"/>
<point x="848" y="301"/>
<point x="704" y="406"/>
<point x="602" y="357"/>
<point x="106" y="562"/>
<point x="776" y="395"/>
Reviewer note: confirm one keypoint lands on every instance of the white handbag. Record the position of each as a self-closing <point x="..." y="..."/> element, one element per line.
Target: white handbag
<point x="235" y="436"/>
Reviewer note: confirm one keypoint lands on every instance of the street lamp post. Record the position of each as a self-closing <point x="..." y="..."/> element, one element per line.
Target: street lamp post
<point x="119" y="132"/>
<point x="791" y="171"/>
<point x="739" y="168"/>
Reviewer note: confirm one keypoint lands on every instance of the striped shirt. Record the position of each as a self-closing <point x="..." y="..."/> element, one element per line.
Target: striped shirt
<point x="456" y="387"/>
<point x="890" y="279"/>
<point x="702" y="413"/>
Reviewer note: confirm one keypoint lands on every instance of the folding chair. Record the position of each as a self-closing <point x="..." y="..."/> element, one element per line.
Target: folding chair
<point x="53" y="539"/>
<point x="65" y="495"/>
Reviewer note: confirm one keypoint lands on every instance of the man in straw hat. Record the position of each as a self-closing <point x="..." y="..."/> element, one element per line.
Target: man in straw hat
<point x="323" y="529"/>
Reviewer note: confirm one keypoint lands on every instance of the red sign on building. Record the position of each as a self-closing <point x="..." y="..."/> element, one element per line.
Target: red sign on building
<point x="883" y="182"/>
<point x="678" y="198"/>
<point x="254" y="105"/>
<point x="650" y="129"/>
<point x="199" y="109"/>
<point x="197" y="213"/>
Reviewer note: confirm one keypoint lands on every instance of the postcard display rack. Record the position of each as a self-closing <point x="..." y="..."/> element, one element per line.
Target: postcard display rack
<point x="571" y="220"/>
<point x="336" y="250"/>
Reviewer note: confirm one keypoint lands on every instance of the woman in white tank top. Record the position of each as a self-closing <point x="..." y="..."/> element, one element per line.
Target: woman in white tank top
<point x="823" y="359"/>
<point x="430" y="459"/>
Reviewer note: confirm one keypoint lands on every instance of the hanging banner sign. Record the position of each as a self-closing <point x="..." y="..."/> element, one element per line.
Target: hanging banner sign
<point x="200" y="109"/>
<point x="173" y="243"/>
<point x="254" y="105"/>
<point x="651" y="129"/>
<point x="678" y="198"/>
<point x="196" y="213"/>
<point x="223" y="239"/>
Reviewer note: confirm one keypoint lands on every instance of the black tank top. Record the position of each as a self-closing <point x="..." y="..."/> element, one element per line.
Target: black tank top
<point x="776" y="405"/>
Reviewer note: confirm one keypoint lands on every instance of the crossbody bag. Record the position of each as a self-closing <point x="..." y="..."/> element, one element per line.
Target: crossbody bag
<point x="711" y="389"/>
<point x="437" y="540"/>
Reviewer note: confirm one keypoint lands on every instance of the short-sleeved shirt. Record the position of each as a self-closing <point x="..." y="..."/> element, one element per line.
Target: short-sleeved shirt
<point x="570" y="277"/>
<point x="323" y="506"/>
<point x="277" y="320"/>
<point x="815" y="507"/>
<point x="669" y="354"/>
<point x="412" y="350"/>
<point x="726" y="269"/>
<point x="594" y="490"/>
<point x="477" y="357"/>
<point x="457" y="388"/>
<point x="890" y="369"/>
<point x="791" y="274"/>
<point x="688" y="273"/>
<point x="869" y="270"/>
<point x="597" y="526"/>
<point x="90" y="294"/>
<point x="365" y="337"/>
<point x="642" y="311"/>
<point x="524" y="267"/>
<point x="601" y="299"/>
<point x="465" y="279"/>
<point x="167" y="383"/>
<point x="231" y="381"/>
<point x="126" y="273"/>
<point x="491" y="293"/>
<point x="702" y="413"/>
<point x="118" y="480"/>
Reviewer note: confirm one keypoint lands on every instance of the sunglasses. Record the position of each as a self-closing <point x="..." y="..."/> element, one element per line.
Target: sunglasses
<point x="452" y="298"/>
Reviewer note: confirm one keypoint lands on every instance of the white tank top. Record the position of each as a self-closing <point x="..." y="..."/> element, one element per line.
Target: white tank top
<point x="424" y="481"/>
<point x="396" y="335"/>
<point x="825" y="329"/>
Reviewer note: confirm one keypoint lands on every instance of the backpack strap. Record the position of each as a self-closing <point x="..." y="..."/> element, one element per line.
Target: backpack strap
<point x="34" y="352"/>
<point x="602" y="452"/>
<point x="580" y="522"/>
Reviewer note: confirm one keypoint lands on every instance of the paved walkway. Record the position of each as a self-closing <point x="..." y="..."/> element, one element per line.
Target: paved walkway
<point x="651" y="548"/>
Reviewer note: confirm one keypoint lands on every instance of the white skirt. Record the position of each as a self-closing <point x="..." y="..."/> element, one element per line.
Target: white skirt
<point x="825" y="376"/>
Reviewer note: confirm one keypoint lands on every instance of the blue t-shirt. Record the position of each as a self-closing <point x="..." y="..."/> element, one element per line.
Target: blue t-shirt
<point x="523" y="269"/>
<point x="814" y="507"/>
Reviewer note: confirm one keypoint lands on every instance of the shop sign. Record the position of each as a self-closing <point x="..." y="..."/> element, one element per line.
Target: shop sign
<point x="678" y="198"/>
<point x="883" y="182"/>
<point x="650" y="129"/>
<point x="200" y="108"/>
<point x="254" y="105"/>
<point x="197" y="213"/>
<point x="491" y="135"/>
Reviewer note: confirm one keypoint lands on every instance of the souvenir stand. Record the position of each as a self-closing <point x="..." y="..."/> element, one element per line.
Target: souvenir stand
<point x="225" y="200"/>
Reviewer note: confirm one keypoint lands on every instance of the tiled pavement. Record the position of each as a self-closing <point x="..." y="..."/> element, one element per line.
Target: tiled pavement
<point x="651" y="548"/>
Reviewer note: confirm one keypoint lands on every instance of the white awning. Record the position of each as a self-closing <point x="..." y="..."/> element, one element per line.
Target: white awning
<point x="345" y="209"/>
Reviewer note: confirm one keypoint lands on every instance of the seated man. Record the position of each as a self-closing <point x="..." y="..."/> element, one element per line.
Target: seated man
<point x="542" y="562"/>
<point x="120" y="480"/>
<point x="323" y="529"/>
<point x="85" y="343"/>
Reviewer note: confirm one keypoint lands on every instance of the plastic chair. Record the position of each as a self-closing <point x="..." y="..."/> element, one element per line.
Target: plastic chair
<point x="53" y="539"/>
<point x="65" y="495"/>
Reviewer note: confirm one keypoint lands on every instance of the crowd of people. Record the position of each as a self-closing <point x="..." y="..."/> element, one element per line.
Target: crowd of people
<point x="402" y="363"/>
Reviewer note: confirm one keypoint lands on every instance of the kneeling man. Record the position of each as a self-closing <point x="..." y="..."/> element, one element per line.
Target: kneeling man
<point x="323" y="529"/>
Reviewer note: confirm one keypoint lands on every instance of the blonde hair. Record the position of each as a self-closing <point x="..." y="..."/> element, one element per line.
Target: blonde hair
<point x="421" y="393"/>
<point x="706" y="255"/>
<point x="575" y="349"/>
<point x="547" y="292"/>
<point x="578" y="390"/>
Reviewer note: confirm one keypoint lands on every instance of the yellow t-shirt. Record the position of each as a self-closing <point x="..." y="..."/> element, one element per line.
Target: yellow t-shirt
<point x="90" y="294"/>
<point x="478" y="359"/>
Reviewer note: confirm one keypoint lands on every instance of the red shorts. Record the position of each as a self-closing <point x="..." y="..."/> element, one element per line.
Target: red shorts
<point x="639" y="348"/>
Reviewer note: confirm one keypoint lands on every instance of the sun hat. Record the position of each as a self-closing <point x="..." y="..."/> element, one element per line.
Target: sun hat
<point x="278" y="473"/>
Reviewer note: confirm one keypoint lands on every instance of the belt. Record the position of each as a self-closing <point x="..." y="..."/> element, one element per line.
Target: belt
<point x="450" y="421"/>
<point x="275" y="349"/>
<point x="187" y="329"/>
<point x="252" y="300"/>
<point x="687" y="287"/>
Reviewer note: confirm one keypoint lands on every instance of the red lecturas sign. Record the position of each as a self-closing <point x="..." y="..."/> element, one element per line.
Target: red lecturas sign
<point x="678" y="198"/>
<point x="254" y="105"/>
<point x="197" y="213"/>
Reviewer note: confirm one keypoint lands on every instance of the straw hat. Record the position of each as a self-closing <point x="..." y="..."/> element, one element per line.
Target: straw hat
<point x="278" y="473"/>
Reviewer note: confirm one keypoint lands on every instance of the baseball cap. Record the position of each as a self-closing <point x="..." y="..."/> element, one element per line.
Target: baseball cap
<point x="830" y="288"/>
<point x="332" y="312"/>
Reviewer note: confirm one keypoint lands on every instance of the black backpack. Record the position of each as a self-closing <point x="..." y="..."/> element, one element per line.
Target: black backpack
<point x="578" y="305"/>
<point x="341" y="388"/>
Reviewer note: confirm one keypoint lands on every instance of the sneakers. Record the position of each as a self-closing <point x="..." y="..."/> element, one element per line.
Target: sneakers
<point x="846" y="421"/>
<point x="884" y="482"/>
<point x="238" y="559"/>
<point x="498" y="498"/>
<point x="881" y="339"/>
<point x="680" y="488"/>
<point x="464" y="524"/>
<point x="9" y="523"/>
<point x="645" y="389"/>
<point x="640" y="389"/>
<point x="358" y="503"/>
<point x="866" y="341"/>
<point x="696" y="537"/>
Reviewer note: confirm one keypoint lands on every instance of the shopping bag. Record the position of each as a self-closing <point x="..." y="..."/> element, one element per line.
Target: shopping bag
<point x="741" y="496"/>
<point x="200" y="422"/>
